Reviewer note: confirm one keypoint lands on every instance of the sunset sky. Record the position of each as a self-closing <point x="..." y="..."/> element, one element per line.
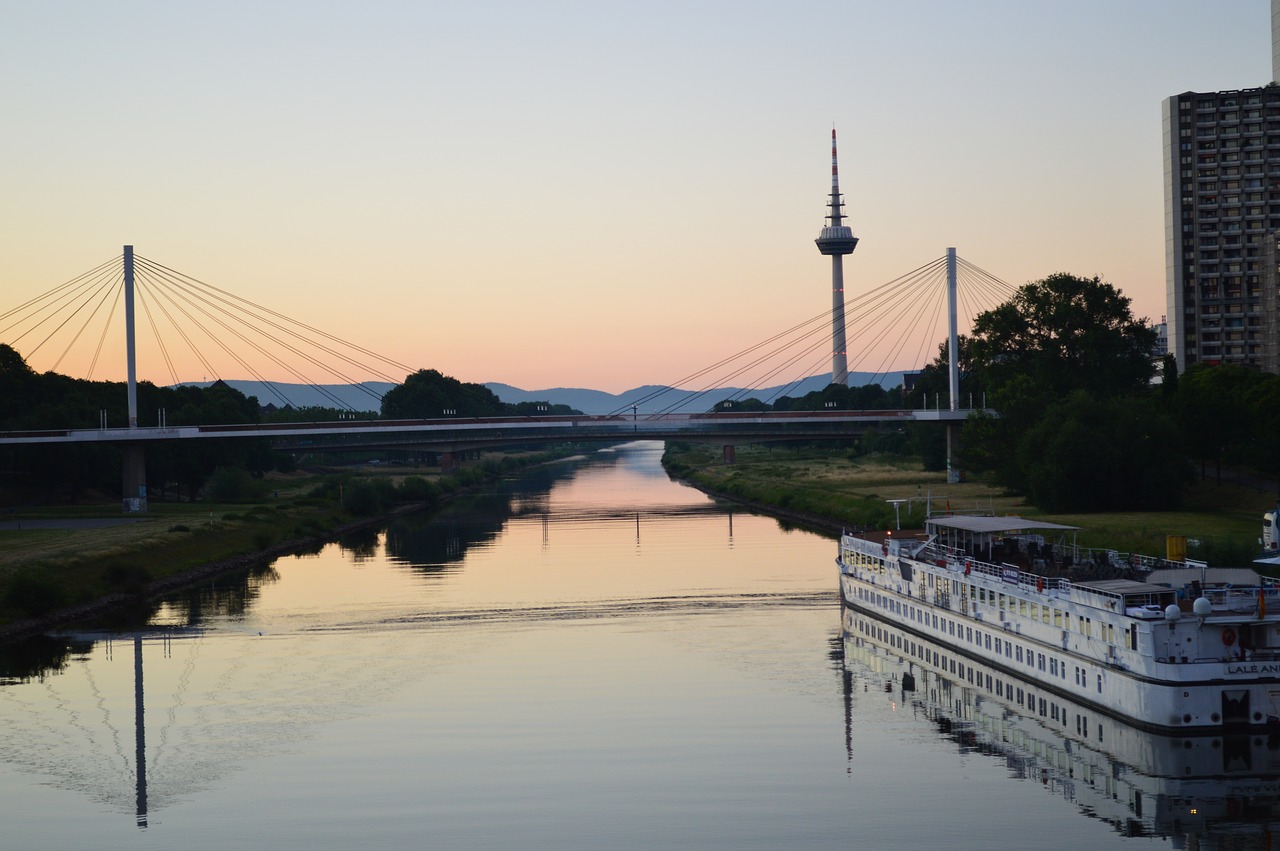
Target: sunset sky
<point x="591" y="194"/>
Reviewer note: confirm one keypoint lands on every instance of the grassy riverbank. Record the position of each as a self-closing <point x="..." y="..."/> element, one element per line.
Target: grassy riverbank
<point x="830" y="489"/>
<point x="48" y="570"/>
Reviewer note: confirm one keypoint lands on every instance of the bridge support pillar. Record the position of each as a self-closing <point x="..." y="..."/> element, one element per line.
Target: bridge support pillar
<point x="954" y="474"/>
<point x="135" y="479"/>
<point x="449" y="462"/>
<point x="730" y="454"/>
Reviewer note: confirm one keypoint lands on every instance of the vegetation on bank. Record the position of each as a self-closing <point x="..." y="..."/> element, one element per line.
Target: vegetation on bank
<point x="44" y="570"/>
<point x="837" y="486"/>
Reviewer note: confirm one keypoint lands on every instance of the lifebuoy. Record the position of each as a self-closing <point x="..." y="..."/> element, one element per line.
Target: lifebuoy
<point x="1228" y="636"/>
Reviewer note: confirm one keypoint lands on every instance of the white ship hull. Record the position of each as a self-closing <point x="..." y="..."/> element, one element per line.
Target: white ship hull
<point x="1122" y="647"/>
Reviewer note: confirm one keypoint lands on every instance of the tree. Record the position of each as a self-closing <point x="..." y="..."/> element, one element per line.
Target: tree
<point x="1065" y="333"/>
<point x="428" y="394"/>
<point x="1058" y="338"/>
<point x="1088" y="454"/>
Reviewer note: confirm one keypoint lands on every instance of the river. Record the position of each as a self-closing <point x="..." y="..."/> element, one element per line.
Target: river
<point x="588" y="656"/>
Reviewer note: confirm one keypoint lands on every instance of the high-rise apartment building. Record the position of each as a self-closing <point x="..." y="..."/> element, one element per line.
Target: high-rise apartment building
<point x="1222" y="216"/>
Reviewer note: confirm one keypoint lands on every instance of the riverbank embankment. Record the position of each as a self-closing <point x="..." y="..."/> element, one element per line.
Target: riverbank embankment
<point x="827" y="489"/>
<point x="50" y="577"/>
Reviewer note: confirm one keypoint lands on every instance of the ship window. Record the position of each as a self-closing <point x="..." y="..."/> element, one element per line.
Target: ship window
<point x="988" y="640"/>
<point x="1019" y="657"/>
<point x="1099" y="692"/>
<point x="1053" y="667"/>
<point x="1040" y="661"/>
<point x="999" y="688"/>
<point x="997" y="646"/>
<point x="1057" y="618"/>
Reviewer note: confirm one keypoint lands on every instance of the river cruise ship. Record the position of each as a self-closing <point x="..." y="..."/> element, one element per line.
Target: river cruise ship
<point x="1163" y="645"/>
<point x="1197" y="790"/>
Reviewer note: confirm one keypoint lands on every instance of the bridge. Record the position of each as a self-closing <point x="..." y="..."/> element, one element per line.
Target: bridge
<point x="206" y="307"/>
<point x="465" y="433"/>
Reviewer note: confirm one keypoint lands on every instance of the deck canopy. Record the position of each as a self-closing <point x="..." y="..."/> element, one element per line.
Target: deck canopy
<point x="978" y="534"/>
<point x="1135" y="594"/>
<point x="996" y="525"/>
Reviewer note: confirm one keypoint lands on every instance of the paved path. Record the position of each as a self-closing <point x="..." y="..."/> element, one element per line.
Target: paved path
<point x="65" y="523"/>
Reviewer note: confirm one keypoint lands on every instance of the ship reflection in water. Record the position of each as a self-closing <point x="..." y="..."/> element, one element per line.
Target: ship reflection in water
<point x="1196" y="791"/>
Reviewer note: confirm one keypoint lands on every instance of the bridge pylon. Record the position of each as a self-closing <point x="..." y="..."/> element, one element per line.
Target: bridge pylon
<point x="135" y="456"/>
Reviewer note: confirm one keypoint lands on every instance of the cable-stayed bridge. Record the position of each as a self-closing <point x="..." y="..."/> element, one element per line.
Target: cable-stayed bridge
<point x="902" y="321"/>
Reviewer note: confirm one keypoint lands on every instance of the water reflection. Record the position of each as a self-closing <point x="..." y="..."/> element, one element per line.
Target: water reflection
<point x="1197" y="792"/>
<point x="162" y="704"/>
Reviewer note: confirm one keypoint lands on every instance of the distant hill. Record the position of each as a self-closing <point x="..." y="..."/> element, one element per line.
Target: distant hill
<point x="650" y="398"/>
<point x="280" y="394"/>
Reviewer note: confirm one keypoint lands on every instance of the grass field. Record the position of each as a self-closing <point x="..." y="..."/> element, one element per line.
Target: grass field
<point x="848" y="490"/>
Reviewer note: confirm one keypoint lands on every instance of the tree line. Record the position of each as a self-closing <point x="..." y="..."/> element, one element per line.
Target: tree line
<point x="31" y="401"/>
<point x="1079" y="413"/>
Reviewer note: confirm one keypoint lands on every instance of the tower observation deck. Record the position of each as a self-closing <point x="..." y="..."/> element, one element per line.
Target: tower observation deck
<point x="837" y="240"/>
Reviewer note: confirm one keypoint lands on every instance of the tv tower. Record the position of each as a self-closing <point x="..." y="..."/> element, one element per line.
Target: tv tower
<point x="837" y="240"/>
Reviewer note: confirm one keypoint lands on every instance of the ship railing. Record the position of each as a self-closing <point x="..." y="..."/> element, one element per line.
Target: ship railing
<point x="959" y="561"/>
<point x="1244" y="600"/>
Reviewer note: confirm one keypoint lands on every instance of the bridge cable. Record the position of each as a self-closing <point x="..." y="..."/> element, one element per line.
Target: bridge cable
<point x="106" y="326"/>
<point x="105" y="295"/>
<point x="227" y="349"/>
<point x="188" y="296"/>
<point x="325" y="335"/>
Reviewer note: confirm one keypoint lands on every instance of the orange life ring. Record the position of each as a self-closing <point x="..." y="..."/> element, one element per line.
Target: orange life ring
<point x="1228" y="636"/>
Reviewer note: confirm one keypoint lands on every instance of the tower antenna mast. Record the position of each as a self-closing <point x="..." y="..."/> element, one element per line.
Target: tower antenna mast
<point x="837" y="240"/>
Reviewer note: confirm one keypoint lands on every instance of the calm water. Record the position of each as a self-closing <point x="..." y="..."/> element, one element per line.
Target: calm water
<point x="591" y="657"/>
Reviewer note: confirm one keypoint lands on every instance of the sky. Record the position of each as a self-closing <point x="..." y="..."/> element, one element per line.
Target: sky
<point x="587" y="194"/>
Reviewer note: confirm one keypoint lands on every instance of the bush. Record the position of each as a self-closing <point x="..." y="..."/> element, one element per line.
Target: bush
<point x="233" y="484"/>
<point x="418" y="489"/>
<point x="368" y="496"/>
<point x="129" y="578"/>
<point x="33" y="593"/>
